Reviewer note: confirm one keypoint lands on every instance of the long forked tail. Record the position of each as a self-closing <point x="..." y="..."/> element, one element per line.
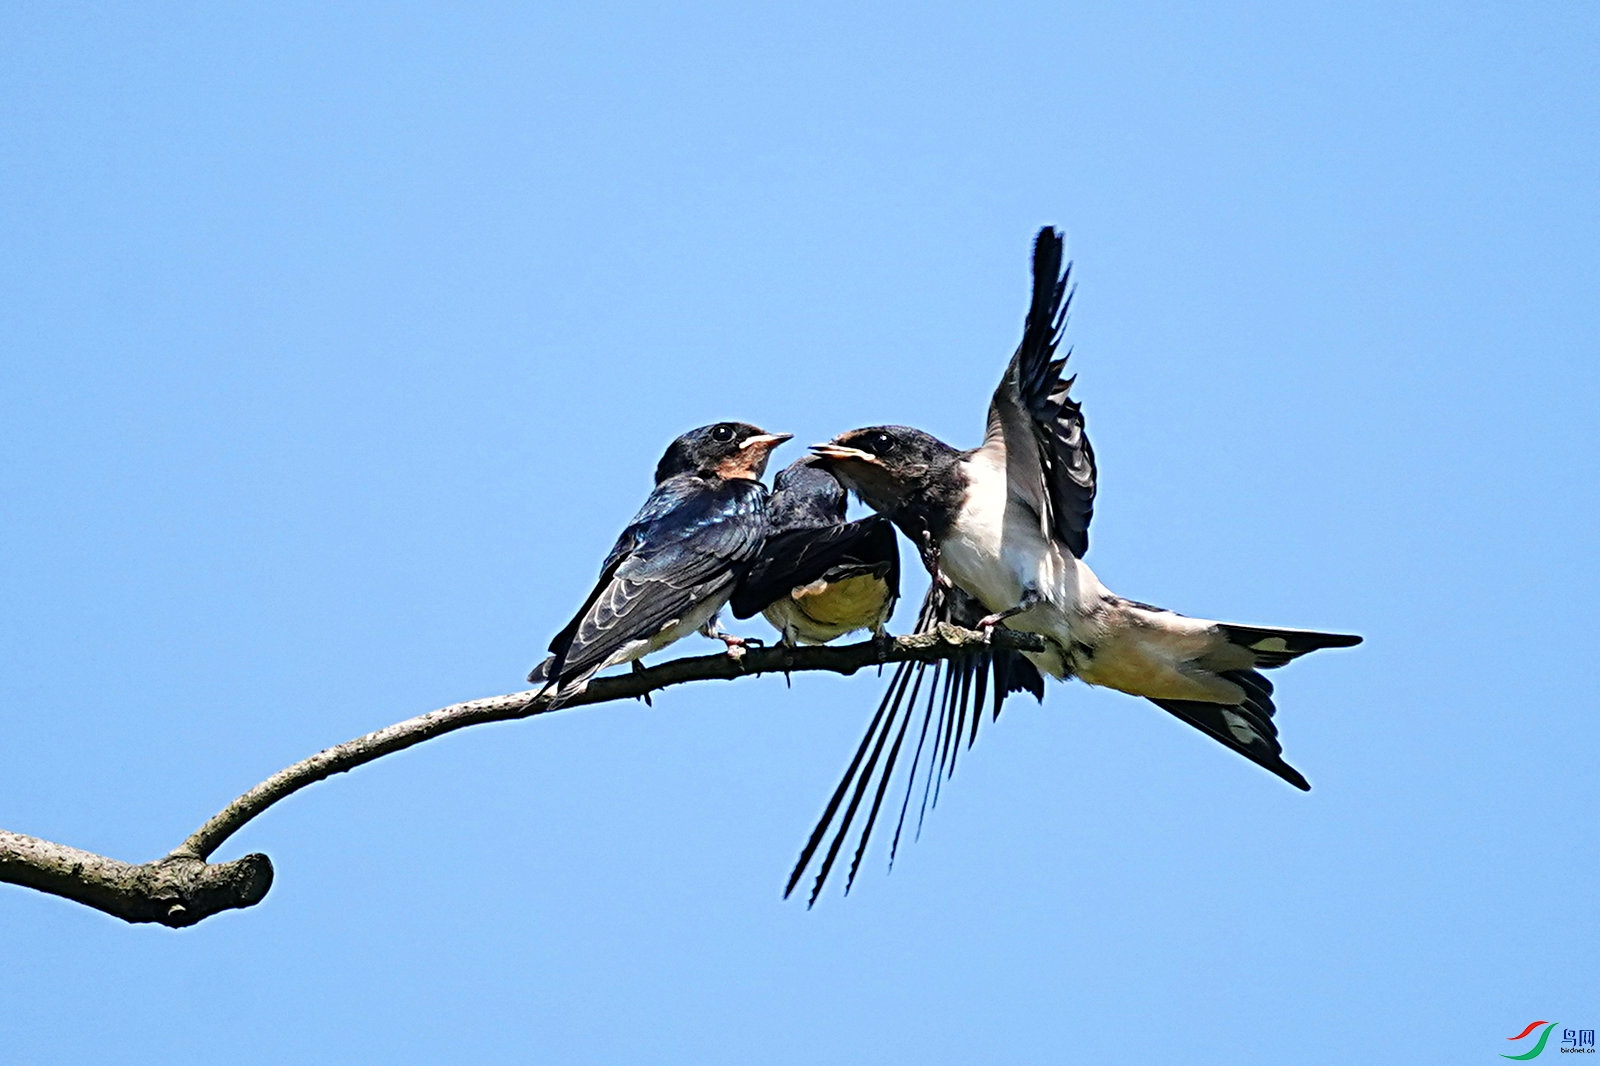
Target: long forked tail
<point x="1275" y="647"/>
<point x="1247" y="726"/>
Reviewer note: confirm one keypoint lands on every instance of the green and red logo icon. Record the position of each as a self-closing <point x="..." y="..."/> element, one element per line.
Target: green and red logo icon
<point x="1537" y="1048"/>
<point x="1573" y="1041"/>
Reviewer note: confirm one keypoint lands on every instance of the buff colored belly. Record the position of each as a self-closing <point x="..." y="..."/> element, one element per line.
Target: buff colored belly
<point x="855" y="601"/>
<point x="820" y="612"/>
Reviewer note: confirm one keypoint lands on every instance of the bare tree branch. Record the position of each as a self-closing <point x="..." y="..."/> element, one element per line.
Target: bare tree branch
<point x="183" y="888"/>
<point x="175" y="891"/>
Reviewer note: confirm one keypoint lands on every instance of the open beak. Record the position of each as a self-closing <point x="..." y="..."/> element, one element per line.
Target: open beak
<point x="840" y="452"/>
<point x="767" y="441"/>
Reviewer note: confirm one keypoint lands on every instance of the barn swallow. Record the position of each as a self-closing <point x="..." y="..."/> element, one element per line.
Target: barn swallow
<point x="1007" y="523"/>
<point x="678" y="561"/>
<point x="819" y="577"/>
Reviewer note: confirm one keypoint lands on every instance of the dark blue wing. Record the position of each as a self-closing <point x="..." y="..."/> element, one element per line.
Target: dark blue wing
<point x="689" y="543"/>
<point x="800" y="556"/>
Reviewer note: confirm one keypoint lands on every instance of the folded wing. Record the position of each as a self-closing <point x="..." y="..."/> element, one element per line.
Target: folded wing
<point x="797" y="558"/>
<point x="689" y="544"/>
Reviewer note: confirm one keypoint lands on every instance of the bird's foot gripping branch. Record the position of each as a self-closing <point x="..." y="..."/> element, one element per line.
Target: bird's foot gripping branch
<point x="184" y="888"/>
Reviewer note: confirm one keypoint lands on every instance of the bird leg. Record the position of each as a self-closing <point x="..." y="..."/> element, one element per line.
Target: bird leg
<point x="1030" y="600"/>
<point x="929" y="550"/>
<point x="880" y="634"/>
<point x="885" y="641"/>
<point x="788" y="642"/>
<point x="638" y="668"/>
<point x="788" y="662"/>
<point x="736" y="645"/>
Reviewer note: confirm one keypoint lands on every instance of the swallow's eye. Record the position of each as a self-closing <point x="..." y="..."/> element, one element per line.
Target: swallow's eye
<point x="879" y="443"/>
<point x="722" y="434"/>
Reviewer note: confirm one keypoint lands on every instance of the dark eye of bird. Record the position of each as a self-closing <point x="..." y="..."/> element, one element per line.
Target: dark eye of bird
<point x="880" y="443"/>
<point x="722" y="434"/>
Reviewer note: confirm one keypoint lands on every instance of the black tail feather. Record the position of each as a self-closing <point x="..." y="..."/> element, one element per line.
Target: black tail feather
<point x="883" y="780"/>
<point x="911" y="780"/>
<point x="862" y="782"/>
<point x="821" y="829"/>
<point x="950" y="699"/>
<point x="1273" y="648"/>
<point x="1246" y="727"/>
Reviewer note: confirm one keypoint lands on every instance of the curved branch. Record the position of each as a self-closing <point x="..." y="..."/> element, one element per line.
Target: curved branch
<point x="183" y="888"/>
<point x="175" y="891"/>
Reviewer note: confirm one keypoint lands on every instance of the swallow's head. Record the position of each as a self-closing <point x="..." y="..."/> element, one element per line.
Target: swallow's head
<point x="805" y="493"/>
<point x="885" y="465"/>
<point x="726" y="449"/>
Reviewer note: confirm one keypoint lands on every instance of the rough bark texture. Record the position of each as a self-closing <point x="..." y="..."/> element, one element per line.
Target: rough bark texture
<point x="175" y="891"/>
<point x="184" y="888"/>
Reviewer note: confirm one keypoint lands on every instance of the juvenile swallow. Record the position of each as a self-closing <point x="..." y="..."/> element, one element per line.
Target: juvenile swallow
<point x="819" y="577"/>
<point x="678" y="561"/>
<point x="1007" y="523"/>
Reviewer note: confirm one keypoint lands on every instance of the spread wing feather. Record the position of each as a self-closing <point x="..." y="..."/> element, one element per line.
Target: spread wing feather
<point x="946" y="697"/>
<point x="1033" y="420"/>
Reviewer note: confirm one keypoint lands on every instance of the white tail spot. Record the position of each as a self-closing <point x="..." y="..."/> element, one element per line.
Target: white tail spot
<point x="1241" y="729"/>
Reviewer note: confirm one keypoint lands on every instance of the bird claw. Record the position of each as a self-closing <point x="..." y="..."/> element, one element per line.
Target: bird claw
<point x="986" y="624"/>
<point x="638" y="668"/>
<point x="737" y="646"/>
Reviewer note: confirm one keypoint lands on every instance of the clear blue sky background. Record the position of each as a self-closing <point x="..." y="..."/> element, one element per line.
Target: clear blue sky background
<point x="340" y="341"/>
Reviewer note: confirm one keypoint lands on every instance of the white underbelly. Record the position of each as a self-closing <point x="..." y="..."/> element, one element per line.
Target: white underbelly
<point x="1000" y="561"/>
<point x="1000" y="564"/>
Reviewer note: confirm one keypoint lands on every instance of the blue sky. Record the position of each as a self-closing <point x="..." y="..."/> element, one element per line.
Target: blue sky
<point x="340" y="341"/>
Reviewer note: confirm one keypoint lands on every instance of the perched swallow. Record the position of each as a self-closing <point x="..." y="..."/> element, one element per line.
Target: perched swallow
<point x="819" y="577"/>
<point x="1007" y="523"/>
<point x="678" y="561"/>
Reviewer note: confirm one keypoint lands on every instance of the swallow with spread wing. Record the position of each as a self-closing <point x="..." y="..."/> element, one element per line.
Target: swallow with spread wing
<point x="678" y="561"/>
<point x="1007" y="523"/>
<point x="819" y="577"/>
